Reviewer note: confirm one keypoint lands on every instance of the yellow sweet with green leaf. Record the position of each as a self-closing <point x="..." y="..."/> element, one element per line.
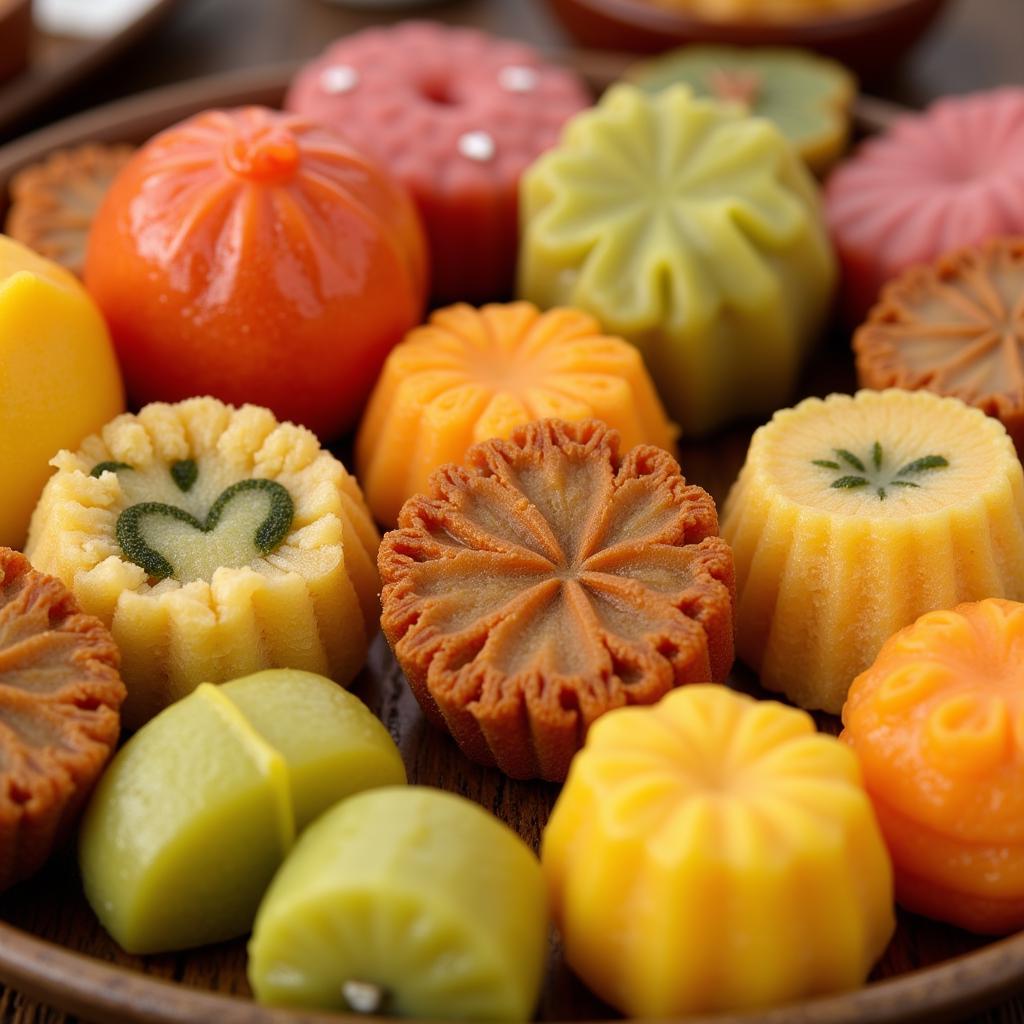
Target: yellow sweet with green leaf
<point x="59" y="380"/>
<point x="196" y="812"/>
<point x="693" y="231"/>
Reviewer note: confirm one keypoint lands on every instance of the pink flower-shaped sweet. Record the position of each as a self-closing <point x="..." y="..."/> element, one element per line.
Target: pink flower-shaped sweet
<point x="949" y="178"/>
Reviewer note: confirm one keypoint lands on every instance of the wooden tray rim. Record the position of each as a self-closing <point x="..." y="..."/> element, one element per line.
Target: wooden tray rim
<point x="90" y="988"/>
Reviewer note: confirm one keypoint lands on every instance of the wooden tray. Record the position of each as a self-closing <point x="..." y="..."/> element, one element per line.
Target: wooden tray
<point x="57" y="62"/>
<point x="53" y="949"/>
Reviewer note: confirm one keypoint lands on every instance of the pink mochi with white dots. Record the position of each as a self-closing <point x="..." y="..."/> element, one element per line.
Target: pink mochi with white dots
<point x="457" y="116"/>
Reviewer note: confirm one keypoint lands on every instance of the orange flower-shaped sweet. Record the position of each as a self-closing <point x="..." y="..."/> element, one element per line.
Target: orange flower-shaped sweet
<point x="59" y="698"/>
<point x="473" y="374"/>
<point x="548" y="581"/>
<point x="938" y="724"/>
<point x="955" y="327"/>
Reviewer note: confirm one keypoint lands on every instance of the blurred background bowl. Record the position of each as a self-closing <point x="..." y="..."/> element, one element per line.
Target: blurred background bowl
<point x="15" y="36"/>
<point x="871" y="42"/>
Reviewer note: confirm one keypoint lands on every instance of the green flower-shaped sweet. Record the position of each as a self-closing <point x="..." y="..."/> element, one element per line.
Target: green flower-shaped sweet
<point x="807" y="96"/>
<point x="694" y="231"/>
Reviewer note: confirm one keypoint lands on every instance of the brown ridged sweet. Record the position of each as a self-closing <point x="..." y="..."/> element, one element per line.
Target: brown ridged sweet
<point x="53" y="203"/>
<point x="549" y="580"/>
<point x="955" y="327"/>
<point x="60" y="693"/>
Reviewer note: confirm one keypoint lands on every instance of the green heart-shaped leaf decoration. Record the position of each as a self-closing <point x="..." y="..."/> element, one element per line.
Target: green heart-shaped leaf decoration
<point x="272" y="528"/>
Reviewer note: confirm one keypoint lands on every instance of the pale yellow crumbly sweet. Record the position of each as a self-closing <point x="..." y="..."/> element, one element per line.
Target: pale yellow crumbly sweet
<point x="228" y="610"/>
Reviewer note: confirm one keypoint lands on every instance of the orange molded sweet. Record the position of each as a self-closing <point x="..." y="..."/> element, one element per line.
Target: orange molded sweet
<point x="938" y="725"/>
<point x="254" y="256"/>
<point x="954" y="327"/>
<point x="60" y="693"/>
<point x="549" y="580"/>
<point x="473" y="374"/>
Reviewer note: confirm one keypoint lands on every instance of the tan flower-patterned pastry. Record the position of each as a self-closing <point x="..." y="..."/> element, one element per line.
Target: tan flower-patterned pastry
<point x="53" y="203"/>
<point x="60" y="693"/>
<point x="550" y="579"/>
<point x="956" y="328"/>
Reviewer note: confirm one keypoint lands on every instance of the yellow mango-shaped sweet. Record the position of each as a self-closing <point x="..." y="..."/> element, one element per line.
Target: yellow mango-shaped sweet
<point x="59" y="380"/>
<point x="408" y="900"/>
<point x="715" y="853"/>
<point x="199" y="808"/>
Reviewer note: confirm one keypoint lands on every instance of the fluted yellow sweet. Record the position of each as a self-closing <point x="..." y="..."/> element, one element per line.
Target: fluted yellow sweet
<point x="713" y="852"/>
<point x="852" y="516"/>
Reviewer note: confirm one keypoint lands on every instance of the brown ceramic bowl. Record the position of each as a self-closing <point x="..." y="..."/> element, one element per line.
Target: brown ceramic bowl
<point x="15" y="36"/>
<point x="870" y="43"/>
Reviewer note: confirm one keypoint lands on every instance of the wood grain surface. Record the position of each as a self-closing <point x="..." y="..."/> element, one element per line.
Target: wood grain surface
<point x="977" y="45"/>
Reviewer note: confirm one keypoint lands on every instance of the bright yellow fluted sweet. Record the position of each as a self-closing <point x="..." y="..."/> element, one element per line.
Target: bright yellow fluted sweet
<point x="214" y="542"/>
<point x="693" y="231"/>
<point x="59" y="379"/>
<point x="475" y="374"/>
<point x="715" y="853"/>
<point x="854" y="515"/>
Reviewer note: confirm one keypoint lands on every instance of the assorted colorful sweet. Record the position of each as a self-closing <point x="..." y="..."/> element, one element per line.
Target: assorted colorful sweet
<point x="213" y="542"/>
<point x="255" y="256"/>
<point x="457" y="116"/>
<point x="955" y="327"/>
<point x="59" y="379"/>
<point x="760" y="11"/>
<point x="692" y="230"/>
<point x="938" y="181"/>
<point x="407" y="901"/>
<point x="548" y="580"/>
<point x="471" y="375"/>
<point x="54" y="203"/>
<point x="852" y="516"/>
<point x="59" y="698"/>
<point x="935" y="722"/>
<point x="556" y="593"/>
<point x="808" y="97"/>
<point x="714" y="852"/>
<point x="199" y="808"/>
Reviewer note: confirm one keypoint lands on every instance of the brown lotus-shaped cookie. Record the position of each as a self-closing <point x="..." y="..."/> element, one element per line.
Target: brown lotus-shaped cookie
<point x="60" y="693"/>
<point x="53" y="203"/>
<point x="548" y="581"/>
<point x="955" y="327"/>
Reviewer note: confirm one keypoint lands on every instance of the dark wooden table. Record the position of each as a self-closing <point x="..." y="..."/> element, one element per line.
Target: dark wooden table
<point x="979" y="44"/>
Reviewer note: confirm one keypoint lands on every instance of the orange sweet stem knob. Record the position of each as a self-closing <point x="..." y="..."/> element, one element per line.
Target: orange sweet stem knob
<point x="268" y="156"/>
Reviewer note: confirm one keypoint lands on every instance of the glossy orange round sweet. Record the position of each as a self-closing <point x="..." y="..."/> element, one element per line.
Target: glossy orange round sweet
<point x="254" y="256"/>
<point x="938" y="725"/>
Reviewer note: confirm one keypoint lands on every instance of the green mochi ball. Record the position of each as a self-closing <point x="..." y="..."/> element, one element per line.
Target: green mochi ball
<point x="197" y="811"/>
<point x="406" y="901"/>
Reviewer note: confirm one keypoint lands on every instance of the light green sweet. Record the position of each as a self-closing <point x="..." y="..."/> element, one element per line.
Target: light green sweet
<point x="808" y="97"/>
<point x="692" y="230"/>
<point x="410" y="901"/>
<point x="197" y="811"/>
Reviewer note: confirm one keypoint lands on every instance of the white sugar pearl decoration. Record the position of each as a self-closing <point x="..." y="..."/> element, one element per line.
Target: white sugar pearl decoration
<point x="518" y="78"/>
<point x="477" y="146"/>
<point x="339" y="78"/>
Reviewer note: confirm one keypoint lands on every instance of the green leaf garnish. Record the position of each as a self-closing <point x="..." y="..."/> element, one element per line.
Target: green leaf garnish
<point x="825" y="463"/>
<point x="850" y="458"/>
<point x="185" y="473"/>
<point x="850" y="481"/>
<point x="925" y="462"/>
